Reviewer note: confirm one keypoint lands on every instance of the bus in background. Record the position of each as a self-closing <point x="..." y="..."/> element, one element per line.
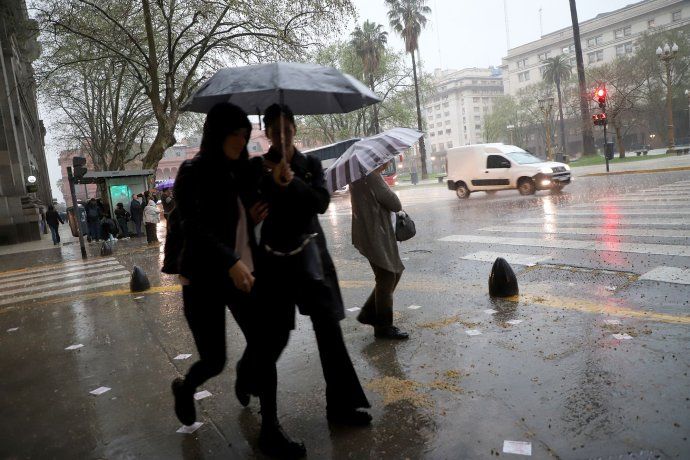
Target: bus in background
<point x="390" y="175"/>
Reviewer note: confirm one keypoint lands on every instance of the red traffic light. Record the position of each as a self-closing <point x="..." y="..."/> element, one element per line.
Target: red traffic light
<point x="600" y="94"/>
<point x="599" y="119"/>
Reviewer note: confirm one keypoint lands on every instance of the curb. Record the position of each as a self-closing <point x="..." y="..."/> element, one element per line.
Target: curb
<point x="637" y="171"/>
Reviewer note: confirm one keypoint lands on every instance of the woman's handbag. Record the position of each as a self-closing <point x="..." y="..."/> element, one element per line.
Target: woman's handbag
<point x="307" y="255"/>
<point x="404" y="227"/>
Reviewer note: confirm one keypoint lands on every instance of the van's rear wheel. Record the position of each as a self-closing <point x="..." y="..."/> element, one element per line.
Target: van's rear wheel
<point x="462" y="191"/>
<point x="526" y="186"/>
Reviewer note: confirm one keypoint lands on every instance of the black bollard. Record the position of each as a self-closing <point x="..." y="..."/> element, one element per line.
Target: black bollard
<point x="139" y="281"/>
<point x="502" y="281"/>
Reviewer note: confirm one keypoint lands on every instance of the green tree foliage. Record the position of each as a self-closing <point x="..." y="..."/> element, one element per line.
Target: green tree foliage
<point x="408" y="18"/>
<point x="369" y="43"/>
<point x="557" y="71"/>
<point x="170" y="46"/>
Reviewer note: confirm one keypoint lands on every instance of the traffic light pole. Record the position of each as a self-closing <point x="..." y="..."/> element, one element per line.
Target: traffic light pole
<point x="75" y="208"/>
<point x="606" y="145"/>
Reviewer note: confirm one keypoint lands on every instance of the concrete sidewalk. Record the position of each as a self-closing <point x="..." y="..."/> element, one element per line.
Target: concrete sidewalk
<point x="45" y="243"/>
<point x="651" y="165"/>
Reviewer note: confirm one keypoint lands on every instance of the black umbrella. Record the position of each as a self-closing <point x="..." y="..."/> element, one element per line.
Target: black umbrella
<point x="308" y="89"/>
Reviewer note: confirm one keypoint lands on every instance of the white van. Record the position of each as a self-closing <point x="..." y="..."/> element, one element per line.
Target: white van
<point x="493" y="167"/>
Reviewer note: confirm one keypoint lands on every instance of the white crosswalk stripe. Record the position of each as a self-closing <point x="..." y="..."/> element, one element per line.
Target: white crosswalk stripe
<point x="70" y="277"/>
<point x="658" y="219"/>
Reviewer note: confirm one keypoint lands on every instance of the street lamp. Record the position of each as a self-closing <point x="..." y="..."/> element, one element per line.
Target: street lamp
<point x="666" y="55"/>
<point x="510" y="129"/>
<point x="687" y="94"/>
<point x="546" y="105"/>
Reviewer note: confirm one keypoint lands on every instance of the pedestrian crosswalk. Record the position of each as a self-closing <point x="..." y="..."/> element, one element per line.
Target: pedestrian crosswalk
<point x="35" y="284"/>
<point x="654" y="222"/>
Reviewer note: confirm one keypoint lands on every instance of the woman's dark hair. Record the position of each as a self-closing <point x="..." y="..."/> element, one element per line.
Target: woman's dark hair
<point x="221" y="121"/>
<point x="120" y="205"/>
<point x="51" y="208"/>
<point x="272" y="115"/>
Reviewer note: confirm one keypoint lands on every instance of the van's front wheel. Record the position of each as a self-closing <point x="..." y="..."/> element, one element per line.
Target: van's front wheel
<point x="462" y="191"/>
<point x="526" y="186"/>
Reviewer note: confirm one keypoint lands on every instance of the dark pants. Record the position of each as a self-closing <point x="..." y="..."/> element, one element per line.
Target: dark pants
<point x="54" y="233"/>
<point x="204" y="309"/>
<point x="379" y="305"/>
<point x="343" y="389"/>
<point x="94" y="230"/>
<point x="137" y="225"/>
<point x="151" y="236"/>
<point x="122" y="223"/>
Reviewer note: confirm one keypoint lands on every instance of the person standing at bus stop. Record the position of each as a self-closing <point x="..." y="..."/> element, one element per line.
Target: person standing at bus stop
<point x="136" y="210"/>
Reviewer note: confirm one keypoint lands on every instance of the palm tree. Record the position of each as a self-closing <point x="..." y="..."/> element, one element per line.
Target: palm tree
<point x="556" y="71"/>
<point x="408" y="18"/>
<point x="587" y="136"/>
<point x="369" y="43"/>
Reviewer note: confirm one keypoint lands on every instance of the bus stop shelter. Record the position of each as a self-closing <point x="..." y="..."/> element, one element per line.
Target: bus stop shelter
<point x="120" y="185"/>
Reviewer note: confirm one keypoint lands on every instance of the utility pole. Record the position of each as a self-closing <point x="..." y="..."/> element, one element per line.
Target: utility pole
<point x="587" y="136"/>
<point x="667" y="54"/>
<point x="75" y="210"/>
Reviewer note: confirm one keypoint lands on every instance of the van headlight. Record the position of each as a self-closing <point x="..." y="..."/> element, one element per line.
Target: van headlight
<point x="567" y="168"/>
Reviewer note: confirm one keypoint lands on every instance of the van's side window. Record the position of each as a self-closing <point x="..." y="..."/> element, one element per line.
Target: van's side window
<point x="497" y="161"/>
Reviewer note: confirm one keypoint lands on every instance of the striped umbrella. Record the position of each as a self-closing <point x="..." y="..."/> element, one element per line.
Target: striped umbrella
<point x="368" y="154"/>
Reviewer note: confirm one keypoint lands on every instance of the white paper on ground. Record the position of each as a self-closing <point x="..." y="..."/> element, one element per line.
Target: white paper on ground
<point x="611" y="288"/>
<point x="74" y="347"/>
<point x="139" y="297"/>
<point x="612" y="321"/>
<point x="189" y="429"/>
<point x="517" y="447"/>
<point x="353" y="309"/>
<point x="513" y="322"/>
<point x="183" y="356"/>
<point x="12" y="329"/>
<point x="472" y="332"/>
<point x="622" y="336"/>
<point x="405" y="258"/>
<point x="202" y="394"/>
<point x="490" y="312"/>
<point x="99" y="391"/>
<point x="414" y="307"/>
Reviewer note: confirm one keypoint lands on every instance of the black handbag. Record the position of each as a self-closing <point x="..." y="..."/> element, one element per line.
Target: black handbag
<point x="404" y="227"/>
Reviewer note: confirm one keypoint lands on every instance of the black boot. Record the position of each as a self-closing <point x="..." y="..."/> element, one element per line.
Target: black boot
<point x="390" y="332"/>
<point x="274" y="442"/>
<point x="184" y="402"/>
<point x="350" y="417"/>
<point x="241" y="388"/>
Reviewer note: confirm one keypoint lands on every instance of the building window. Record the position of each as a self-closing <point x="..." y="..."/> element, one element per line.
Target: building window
<point x="446" y="104"/>
<point x="676" y="16"/>
<point x="449" y="144"/>
<point x="433" y="148"/>
<point x="522" y="63"/>
<point x="447" y="122"/>
<point x="446" y="114"/>
<point x="476" y="110"/>
<point x="623" y="32"/>
<point x="431" y="134"/>
<point x="542" y="70"/>
<point x="439" y="124"/>
<point x="440" y="133"/>
<point x="478" y="127"/>
<point x="594" y="41"/>
<point x="438" y="115"/>
<point x="569" y="49"/>
<point x="477" y="118"/>
<point x="476" y="99"/>
<point x="447" y="131"/>
<point x="438" y="107"/>
<point x="597" y="56"/>
<point x="523" y="76"/>
<point x="485" y="100"/>
<point x="651" y="23"/>
<point x="624" y="48"/>
<point x="544" y="56"/>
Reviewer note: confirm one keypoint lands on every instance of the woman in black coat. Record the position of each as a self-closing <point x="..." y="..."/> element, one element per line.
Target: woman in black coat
<point x="216" y="263"/>
<point x="296" y="261"/>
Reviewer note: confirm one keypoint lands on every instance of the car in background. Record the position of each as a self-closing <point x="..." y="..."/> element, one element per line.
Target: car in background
<point x="493" y="167"/>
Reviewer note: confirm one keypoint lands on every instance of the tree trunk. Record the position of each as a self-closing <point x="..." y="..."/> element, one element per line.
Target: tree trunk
<point x="165" y="137"/>
<point x="564" y="141"/>
<point x="422" y="149"/>
<point x="619" y="139"/>
<point x="587" y="136"/>
<point x="375" y="107"/>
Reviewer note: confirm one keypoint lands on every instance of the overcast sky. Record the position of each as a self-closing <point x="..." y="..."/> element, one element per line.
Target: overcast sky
<point x="460" y="33"/>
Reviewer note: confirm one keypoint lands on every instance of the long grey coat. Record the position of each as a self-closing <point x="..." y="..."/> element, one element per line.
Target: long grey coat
<point x="372" y="229"/>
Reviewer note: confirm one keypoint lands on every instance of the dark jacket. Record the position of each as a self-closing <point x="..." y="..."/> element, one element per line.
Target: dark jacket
<point x="136" y="210"/>
<point x="53" y="218"/>
<point x="293" y="213"/>
<point x="93" y="212"/>
<point x="206" y="192"/>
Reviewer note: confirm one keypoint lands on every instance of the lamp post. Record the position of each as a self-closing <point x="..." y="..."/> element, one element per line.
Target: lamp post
<point x="687" y="94"/>
<point x="667" y="54"/>
<point x="546" y="105"/>
<point x="651" y="139"/>
<point x="510" y="129"/>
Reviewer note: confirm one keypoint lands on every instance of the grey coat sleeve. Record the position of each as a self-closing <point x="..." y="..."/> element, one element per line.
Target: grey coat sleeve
<point x="384" y="195"/>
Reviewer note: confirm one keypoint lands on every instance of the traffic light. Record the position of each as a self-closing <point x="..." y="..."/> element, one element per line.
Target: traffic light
<point x="79" y="167"/>
<point x="599" y="119"/>
<point x="601" y="96"/>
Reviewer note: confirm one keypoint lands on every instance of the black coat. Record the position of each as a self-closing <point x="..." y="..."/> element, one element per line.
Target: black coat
<point x="293" y="213"/>
<point x="53" y="218"/>
<point x="136" y="210"/>
<point x="206" y="192"/>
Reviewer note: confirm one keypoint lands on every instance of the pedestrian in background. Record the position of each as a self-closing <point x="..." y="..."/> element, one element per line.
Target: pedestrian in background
<point x="93" y="219"/>
<point x="151" y="219"/>
<point x="53" y="220"/>
<point x="136" y="210"/>
<point x="122" y="217"/>
<point x="168" y="203"/>
<point x="373" y="234"/>
<point x="299" y="268"/>
<point x="109" y="228"/>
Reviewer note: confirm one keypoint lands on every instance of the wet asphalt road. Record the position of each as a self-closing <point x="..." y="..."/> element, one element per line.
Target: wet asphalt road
<point x="558" y="379"/>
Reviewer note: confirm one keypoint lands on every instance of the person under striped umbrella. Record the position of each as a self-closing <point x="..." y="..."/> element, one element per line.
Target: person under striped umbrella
<point x="368" y="154"/>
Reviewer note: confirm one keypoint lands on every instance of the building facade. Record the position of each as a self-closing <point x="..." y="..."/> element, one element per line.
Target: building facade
<point x="24" y="180"/>
<point x="455" y="111"/>
<point x="603" y="38"/>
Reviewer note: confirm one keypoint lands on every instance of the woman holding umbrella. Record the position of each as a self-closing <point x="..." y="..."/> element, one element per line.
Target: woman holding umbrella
<point x="298" y="266"/>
